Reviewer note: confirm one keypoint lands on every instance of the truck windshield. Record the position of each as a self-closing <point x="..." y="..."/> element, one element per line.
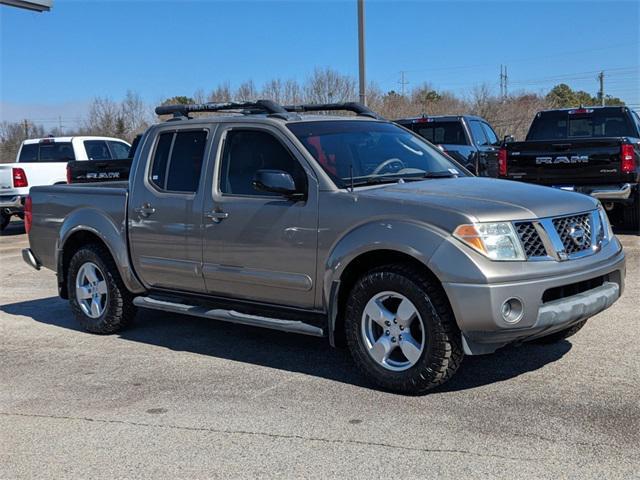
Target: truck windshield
<point x="370" y="152"/>
<point x="579" y="123"/>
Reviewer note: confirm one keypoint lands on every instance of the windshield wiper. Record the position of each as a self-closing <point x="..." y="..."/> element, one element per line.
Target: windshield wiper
<point x="439" y="174"/>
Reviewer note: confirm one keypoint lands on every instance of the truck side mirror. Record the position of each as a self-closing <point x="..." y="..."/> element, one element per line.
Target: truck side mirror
<point x="275" y="181"/>
<point x="508" y="139"/>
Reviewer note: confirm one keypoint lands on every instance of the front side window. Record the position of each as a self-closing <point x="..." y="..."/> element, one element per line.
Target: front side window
<point x="370" y="152"/>
<point x="478" y="133"/>
<point x="177" y="160"/>
<point x="97" y="150"/>
<point x="247" y="151"/>
<point x="118" y="149"/>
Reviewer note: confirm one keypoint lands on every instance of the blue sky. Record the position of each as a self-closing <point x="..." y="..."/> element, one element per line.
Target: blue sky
<point x="53" y="63"/>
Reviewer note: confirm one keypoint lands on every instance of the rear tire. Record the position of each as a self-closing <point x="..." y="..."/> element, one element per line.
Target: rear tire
<point x="4" y="221"/>
<point x="561" y="335"/>
<point x="98" y="297"/>
<point x="433" y="345"/>
<point x="631" y="214"/>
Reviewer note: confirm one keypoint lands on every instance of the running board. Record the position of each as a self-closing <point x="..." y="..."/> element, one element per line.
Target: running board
<point x="232" y="316"/>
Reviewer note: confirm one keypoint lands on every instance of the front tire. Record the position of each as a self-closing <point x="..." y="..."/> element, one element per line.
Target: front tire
<point x="98" y="298"/>
<point x="401" y="331"/>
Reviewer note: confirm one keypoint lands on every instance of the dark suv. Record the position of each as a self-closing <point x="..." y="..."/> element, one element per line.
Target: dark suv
<point x="468" y="139"/>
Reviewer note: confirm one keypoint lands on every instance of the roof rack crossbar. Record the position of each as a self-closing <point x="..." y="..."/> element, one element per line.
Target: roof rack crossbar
<point x="354" y="107"/>
<point x="259" y="106"/>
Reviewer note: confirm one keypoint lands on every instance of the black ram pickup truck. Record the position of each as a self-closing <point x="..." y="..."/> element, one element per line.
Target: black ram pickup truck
<point x="468" y="139"/>
<point x="594" y="150"/>
<point x="102" y="170"/>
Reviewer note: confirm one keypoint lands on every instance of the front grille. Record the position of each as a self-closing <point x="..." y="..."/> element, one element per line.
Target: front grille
<point x="531" y="241"/>
<point x="574" y="232"/>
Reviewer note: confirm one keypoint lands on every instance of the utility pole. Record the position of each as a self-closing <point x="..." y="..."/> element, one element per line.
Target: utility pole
<point x="59" y="125"/>
<point x="402" y="82"/>
<point x="503" y="82"/>
<point x="25" y="125"/>
<point x="601" y="94"/>
<point x="361" y="62"/>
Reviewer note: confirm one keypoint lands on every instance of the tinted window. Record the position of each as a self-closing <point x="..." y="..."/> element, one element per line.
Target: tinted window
<point x="186" y="161"/>
<point x="29" y="153"/>
<point x="246" y="152"/>
<point x="477" y="132"/>
<point x="118" y="149"/>
<point x="447" y="133"/>
<point x="490" y="134"/>
<point x="97" y="150"/>
<point x="587" y="124"/>
<point x="369" y="150"/>
<point x="161" y="160"/>
<point x="177" y="161"/>
<point x="56" y="152"/>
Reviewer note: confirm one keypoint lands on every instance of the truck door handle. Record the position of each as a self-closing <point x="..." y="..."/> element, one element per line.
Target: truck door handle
<point x="145" y="210"/>
<point x="217" y="217"/>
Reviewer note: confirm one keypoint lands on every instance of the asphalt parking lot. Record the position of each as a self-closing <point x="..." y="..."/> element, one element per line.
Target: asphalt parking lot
<point x="182" y="397"/>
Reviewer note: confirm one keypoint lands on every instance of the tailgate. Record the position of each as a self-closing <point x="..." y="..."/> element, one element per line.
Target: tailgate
<point x="85" y="171"/>
<point x="6" y="179"/>
<point x="563" y="162"/>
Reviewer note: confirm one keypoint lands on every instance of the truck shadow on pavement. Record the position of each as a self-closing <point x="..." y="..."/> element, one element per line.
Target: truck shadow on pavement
<point x="291" y="352"/>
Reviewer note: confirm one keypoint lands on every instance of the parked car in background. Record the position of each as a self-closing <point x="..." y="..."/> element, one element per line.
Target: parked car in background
<point x="43" y="161"/>
<point x="594" y="150"/>
<point x="346" y="227"/>
<point x="468" y="139"/>
<point x="81" y="171"/>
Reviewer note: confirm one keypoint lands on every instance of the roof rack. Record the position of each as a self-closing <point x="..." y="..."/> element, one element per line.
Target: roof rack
<point x="259" y="106"/>
<point x="263" y="106"/>
<point x="354" y="107"/>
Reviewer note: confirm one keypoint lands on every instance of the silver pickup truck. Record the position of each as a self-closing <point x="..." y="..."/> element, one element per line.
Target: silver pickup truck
<point x="346" y="227"/>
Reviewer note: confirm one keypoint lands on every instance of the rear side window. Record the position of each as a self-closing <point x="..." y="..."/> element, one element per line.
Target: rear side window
<point x="47" y="152"/>
<point x="118" y="150"/>
<point x="29" y="153"/>
<point x="478" y="133"/>
<point x="442" y="133"/>
<point x="177" y="160"/>
<point x="97" y="150"/>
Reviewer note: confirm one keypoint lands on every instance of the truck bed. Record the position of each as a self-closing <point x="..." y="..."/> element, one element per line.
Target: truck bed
<point x="54" y="206"/>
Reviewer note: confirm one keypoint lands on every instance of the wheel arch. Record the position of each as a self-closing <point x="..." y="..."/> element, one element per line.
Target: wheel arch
<point x="98" y="231"/>
<point x="356" y="254"/>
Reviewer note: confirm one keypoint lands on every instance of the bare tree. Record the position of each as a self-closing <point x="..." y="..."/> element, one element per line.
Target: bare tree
<point x="246" y="92"/>
<point x="222" y="93"/>
<point x="328" y="86"/>
<point x="11" y="136"/>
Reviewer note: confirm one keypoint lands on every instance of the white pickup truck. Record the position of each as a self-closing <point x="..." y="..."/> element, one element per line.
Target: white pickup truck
<point x="43" y="161"/>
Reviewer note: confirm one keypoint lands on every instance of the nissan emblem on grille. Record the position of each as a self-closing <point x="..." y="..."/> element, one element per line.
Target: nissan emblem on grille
<point x="574" y="232"/>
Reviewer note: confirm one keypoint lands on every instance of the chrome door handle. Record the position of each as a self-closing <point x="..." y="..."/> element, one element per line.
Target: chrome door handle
<point x="145" y="210"/>
<point x="217" y="217"/>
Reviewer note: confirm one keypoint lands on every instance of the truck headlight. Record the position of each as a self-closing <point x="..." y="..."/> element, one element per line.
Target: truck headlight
<point x="606" y="224"/>
<point x="497" y="241"/>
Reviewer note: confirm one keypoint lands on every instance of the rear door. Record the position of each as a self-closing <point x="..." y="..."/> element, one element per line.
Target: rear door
<point x="165" y="209"/>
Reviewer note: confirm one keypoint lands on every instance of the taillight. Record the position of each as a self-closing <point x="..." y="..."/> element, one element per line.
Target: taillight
<point x="28" y="216"/>
<point x="68" y="173"/>
<point x="627" y="158"/>
<point x="502" y="161"/>
<point x="19" y="178"/>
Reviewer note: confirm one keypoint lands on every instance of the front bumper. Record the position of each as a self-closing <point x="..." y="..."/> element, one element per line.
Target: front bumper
<point x="478" y="307"/>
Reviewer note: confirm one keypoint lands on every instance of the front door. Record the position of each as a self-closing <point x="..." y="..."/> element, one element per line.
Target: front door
<point x="260" y="246"/>
<point x="165" y="211"/>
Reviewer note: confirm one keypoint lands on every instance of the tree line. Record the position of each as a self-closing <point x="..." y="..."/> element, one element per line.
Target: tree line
<point x="129" y="116"/>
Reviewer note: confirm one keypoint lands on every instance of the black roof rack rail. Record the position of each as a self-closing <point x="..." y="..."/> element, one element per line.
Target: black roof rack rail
<point x="259" y="106"/>
<point x="354" y="107"/>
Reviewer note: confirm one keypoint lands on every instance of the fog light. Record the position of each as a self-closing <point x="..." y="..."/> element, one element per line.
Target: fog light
<point x="512" y="310"/>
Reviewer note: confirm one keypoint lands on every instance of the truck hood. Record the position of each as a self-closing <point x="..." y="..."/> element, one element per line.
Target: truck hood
<point x="486" y="199"/>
